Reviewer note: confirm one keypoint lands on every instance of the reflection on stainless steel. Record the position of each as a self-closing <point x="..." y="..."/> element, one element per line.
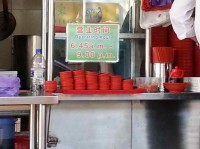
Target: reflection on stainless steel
<point x="155" y="124"/>
<point x="166" y="124"/>
<point x="144" y="96"/>
<point x="148" y="53"/>
<point x="159" y="120"/>
<point x="161" y="71"/>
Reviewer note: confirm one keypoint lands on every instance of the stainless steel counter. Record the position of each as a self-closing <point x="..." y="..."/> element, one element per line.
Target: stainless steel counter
<point x="34" y="102"/>
<point x="27" y="100"/>
<point x="56" y="98"/>
<point x="131" y="121"/>
<point x="142" y="96"/>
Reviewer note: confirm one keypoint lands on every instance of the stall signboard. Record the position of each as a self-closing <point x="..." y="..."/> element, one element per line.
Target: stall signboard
<point x="92" y="43"/>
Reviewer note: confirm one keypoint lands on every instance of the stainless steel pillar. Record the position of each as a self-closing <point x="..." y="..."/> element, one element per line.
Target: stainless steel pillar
<point x="42" y="127"/>
<point x="50" y="40"/>
<point x="33" y="127"/>
<point x="148" y="53"/>
<point x="161" y="70"/>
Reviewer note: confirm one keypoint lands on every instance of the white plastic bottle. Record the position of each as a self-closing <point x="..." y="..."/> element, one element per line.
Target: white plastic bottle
<point x="37" y="74"/>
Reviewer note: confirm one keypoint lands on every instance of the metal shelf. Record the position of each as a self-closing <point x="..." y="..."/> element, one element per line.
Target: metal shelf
<point x="15" y="113"/>
<point x="63" y="36"/>
<point x="25" y="98"/>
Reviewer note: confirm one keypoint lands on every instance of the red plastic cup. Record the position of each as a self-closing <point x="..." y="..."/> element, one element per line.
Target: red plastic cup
<point x="50" y="86"/>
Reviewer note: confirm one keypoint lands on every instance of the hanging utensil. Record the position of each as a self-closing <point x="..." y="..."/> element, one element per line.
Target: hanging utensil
<point x="7" y="22"/>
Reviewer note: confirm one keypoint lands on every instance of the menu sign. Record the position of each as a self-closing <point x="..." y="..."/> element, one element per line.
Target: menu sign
<point x="92" y="43"/>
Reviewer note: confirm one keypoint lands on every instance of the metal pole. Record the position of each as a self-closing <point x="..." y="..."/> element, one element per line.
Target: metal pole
<point x="33" y="127"/>
<point x="42" y="127"/>
<point x="44" y="27"/>
<point x="148" y="53"/>
<point x="50" y="40"/>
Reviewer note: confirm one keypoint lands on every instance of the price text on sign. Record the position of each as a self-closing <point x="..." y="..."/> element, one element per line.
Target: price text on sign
<point x="92" y="43"/>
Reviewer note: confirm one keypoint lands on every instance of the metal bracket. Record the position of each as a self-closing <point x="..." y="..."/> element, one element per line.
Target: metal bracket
<point x="52" y="141"/>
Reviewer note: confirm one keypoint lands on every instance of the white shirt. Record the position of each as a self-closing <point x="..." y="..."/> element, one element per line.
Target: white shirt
<point x="183" y="24"/>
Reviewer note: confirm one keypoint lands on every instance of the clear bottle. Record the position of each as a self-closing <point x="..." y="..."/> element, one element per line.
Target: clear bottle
<point x="37" y="73"/>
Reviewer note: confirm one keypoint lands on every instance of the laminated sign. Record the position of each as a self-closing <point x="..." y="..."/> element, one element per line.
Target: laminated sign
<point x="92" y="43"/>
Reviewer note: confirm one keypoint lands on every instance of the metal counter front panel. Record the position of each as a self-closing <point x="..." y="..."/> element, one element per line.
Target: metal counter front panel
<point x="165" y="124"/>
<point x="92" y="124"/>
<point x="154" y="124"/>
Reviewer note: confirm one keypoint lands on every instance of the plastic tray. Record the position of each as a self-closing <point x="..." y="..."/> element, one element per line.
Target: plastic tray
<point x="134" y="91"/>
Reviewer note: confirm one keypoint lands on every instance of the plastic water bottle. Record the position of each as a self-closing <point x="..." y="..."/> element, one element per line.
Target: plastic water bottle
<point x="37" y="74"/>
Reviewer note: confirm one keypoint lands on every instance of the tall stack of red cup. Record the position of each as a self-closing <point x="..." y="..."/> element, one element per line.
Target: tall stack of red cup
<point x="104" y="81"/>
<point x="116" y="82"/>
<point x="79" y="80"/>
<point x="91" y="80"/>
<point x="67" y="81"/>
<point x="183" y="52"/>
<point x="159" y="36"/>
<point x="197" y="61"/>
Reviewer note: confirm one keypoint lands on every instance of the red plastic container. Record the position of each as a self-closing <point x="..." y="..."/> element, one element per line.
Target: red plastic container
<point x="50" y="86"/>
<point x="22" y="142"/>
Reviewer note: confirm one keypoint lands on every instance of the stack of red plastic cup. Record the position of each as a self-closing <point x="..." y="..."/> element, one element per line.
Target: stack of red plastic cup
<point x="79" y="80"/>
<point x="197" y="61"/>
<point x="159" y="36"/>
<point x="116" y="82"/>
<point x="50" y="86"/>
<point x="91" y="80"/>
<point x="104" y="81"/>
<point x="67" y="82"/>
<point x="163" y="55"/>
<point x="127" y="84"/>
<point x="183" y="53"/>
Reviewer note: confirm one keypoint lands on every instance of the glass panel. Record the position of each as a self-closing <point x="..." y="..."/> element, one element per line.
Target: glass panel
<point x="101" y="11"/>
<point x="96" y="11"/>
<point x="67" y="11"/>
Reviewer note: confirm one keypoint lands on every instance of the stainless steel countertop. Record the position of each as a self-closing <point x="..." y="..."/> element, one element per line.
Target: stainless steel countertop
<point x="26" y="99"/>
<point x="141" y="96"/>
<point x="56" y="97"/>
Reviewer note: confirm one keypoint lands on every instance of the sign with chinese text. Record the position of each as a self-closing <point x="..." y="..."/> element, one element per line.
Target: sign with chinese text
<point x="92" y="43"/>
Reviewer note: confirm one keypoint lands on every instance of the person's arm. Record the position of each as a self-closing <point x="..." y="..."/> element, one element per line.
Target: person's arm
<point x="181" y="18"/>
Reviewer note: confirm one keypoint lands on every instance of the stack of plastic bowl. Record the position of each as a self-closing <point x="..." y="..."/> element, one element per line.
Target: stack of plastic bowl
<point x="91" y="80"/>
<point x="79" y="80"/>
<point x="104" y="81"/>
<point x="116" y="82"/>
<point x="127" y="84"/>
<point x="50" y="86"/>
<point x="67" y="81"/>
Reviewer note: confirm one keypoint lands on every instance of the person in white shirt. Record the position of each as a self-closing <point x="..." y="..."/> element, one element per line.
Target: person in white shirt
<point x="184" y="25"/>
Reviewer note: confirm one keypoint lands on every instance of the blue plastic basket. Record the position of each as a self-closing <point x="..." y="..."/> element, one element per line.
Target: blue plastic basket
<point x="7" y="132"/>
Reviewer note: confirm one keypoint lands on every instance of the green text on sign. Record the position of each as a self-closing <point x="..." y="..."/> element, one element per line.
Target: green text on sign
<point x="92" y="43"/>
